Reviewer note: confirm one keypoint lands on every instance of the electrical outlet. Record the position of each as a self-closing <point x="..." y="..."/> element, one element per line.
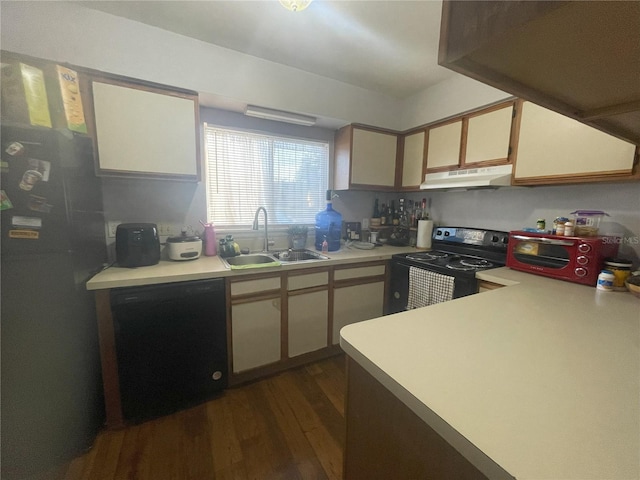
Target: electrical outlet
<point x="112" y="226"/>
<point x="166" y="229"/>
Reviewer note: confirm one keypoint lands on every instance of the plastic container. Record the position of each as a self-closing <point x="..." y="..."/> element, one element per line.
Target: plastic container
<point x="587" y="222"/>
<point x="210" y="246"/>
<point x="605" y="280"/>
<point x="329" y="227"/>
<point x="621" y="269"/>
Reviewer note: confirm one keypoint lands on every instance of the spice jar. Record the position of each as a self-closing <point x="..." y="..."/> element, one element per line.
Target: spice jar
<point x="621" y="269"/>
<point x="568" y="229"/>
<point x="541" y="223"/>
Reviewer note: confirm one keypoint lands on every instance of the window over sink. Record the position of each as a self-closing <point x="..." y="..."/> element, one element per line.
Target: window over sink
<point x="246" y="170"/>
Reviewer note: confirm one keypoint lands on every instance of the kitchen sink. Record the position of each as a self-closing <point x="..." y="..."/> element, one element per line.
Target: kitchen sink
<point x="255" y="260"/>
<point x="298" y="255"/>
<point x="271" y="259"/>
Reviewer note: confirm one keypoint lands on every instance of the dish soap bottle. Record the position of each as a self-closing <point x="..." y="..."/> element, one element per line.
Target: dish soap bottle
<point x="328" y="227"/>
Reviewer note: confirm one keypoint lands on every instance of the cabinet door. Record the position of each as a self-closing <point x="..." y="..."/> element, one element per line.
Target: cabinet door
<point x="308" y="319"/>
<point x="145" y="132"/>
<point x="488" y="136"/>
<point x="356" y="303"/>
<point x="255" y="334"/>
<point x="373" y="158"/>
<point x="443" y="148"/>
<point x="413" y="159"/>
<point x="553" y="145"/>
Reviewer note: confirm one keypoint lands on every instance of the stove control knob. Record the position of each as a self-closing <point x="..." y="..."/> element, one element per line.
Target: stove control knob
<point x="582" y="260"/>
<point x="447" y="233"/>
<point x="581" y="272"/>
<point x="505" y="240"/>
<point x="439" y="233"/>
<point x="584" y="248"/>
<point x="495" y="239"/>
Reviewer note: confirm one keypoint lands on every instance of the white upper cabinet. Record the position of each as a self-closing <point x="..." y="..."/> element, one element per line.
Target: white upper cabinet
<point x="444" y="144"/>
<point x="488" y="136"/>
<point x="145" y="132"/>
<point x="553" y="147"/>
<point x="365" y="159"/>
<point x="413" y="159"/>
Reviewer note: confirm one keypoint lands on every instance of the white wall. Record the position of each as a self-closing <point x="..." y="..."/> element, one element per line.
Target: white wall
<point x="67" y="32"/>
<point x="448" y="98"/>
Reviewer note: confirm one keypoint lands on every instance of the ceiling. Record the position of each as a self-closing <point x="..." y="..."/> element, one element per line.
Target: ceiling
<point x="389" y="47"/>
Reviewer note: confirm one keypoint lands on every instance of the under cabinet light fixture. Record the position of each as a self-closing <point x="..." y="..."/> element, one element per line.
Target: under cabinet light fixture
<point x="279" y="116"/>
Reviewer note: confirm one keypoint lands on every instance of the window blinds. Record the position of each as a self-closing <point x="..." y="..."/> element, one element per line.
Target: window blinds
<point x="246" y="170"/>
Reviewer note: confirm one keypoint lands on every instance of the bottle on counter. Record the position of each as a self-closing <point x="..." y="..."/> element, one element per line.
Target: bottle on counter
<point x="376" y="209"/>
<point x="569" y="229"/>
<point x="328" y="227"/>
<point x="383" y="215"/>
<point x="210" y="246"/>
<point x="541" y="223"/>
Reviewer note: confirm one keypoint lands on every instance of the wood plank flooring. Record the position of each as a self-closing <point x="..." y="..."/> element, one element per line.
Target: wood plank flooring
<point x="290" y="426"/>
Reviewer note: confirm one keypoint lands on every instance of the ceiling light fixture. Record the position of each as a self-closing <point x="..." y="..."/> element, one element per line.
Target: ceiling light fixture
<point x="279" y="116"/>
<point x="295" y="5"/>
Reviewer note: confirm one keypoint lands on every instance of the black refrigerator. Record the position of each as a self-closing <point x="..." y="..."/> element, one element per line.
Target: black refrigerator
<point x="52" y="243"/>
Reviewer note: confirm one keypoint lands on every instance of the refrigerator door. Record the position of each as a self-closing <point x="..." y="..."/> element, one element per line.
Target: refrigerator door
<point x="52" y="405"/>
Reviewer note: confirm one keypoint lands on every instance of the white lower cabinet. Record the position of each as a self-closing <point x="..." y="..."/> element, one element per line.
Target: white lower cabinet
<point x="255" y="333"/>
<point x="356" y="303"/>
<point x="308" y="319"/>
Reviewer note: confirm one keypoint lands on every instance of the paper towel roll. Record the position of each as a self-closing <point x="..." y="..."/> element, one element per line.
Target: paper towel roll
<point x="425" y="229"/>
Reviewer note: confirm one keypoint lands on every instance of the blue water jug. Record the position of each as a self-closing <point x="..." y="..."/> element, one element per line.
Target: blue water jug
<point x="328" y="226"/>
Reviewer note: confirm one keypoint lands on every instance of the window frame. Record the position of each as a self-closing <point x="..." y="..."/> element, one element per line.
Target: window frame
<point x="273" y="227"/>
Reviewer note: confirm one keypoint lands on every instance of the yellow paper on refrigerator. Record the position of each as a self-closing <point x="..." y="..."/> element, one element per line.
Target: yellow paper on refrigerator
<point x="71" y="100"/>
<point x="36" y="95"/>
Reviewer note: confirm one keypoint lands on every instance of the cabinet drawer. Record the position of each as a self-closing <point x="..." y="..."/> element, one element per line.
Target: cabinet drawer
<point x="359" y="272"/>
<point x="255" y="286"/>
<point x="298" y="282"/>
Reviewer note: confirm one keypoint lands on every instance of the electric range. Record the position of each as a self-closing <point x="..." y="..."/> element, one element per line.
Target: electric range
<point x="458" y="252"/>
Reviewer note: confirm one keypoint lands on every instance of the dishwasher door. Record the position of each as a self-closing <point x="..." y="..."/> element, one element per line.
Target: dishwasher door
<point x="171" y="346"/>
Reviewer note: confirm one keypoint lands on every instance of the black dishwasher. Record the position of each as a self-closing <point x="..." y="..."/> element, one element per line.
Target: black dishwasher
<point x="171" y="345"/>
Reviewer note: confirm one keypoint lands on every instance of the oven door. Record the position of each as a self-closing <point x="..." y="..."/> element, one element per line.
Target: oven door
<point x="546" y="255"/>
<point x="398" y="296"/>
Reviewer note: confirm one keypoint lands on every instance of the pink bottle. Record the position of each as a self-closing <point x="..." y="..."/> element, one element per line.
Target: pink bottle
<point x="210" y="248"/>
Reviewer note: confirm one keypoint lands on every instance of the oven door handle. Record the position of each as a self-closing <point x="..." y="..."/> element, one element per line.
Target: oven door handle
<point x="548" y="241"/>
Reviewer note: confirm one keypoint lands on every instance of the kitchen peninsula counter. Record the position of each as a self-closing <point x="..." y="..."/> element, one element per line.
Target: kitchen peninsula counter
<point x="538" y="380"/>
<point x="168" y="271"/>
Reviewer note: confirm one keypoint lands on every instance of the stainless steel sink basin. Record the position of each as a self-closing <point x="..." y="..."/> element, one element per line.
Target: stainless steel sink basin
<point x="298" y="255"/>
<point x="250" y="261"/>
<point x="271" y="259"/>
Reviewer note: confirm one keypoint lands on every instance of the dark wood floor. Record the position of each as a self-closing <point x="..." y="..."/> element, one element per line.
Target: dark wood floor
<point x="290" y="426"/>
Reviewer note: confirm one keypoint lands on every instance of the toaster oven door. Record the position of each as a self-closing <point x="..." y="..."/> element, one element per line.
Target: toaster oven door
<point x="550" y="254"/>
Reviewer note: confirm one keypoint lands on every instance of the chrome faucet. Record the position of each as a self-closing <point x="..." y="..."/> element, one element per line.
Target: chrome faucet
<point x="266" y="230"/>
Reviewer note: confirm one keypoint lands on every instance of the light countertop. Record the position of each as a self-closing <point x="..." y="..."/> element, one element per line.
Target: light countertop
<point x="538" y="380"/>
<point x="168" y="271"/>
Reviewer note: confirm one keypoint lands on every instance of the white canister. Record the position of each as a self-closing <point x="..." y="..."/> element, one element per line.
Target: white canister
<point x="605" y="280"/>
<point x="425" y="230"/>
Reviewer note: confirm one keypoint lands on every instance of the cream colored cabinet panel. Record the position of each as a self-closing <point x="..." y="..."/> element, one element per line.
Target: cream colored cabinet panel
<point x="255" y="286"/>
<point x="551" y="144"/>
<point x="308" y="319"/>
<point x="444" y="145"/>
<point x="355" y="304"/>
<point x="373" y="158"/>
<point x="413" y="159"/>
<point x="488" y="136"/>
<point x="255" y="334"/>
<point x="298" y="282"/>
<point x="145" y="133"/>
<point x="359" y="272"/>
